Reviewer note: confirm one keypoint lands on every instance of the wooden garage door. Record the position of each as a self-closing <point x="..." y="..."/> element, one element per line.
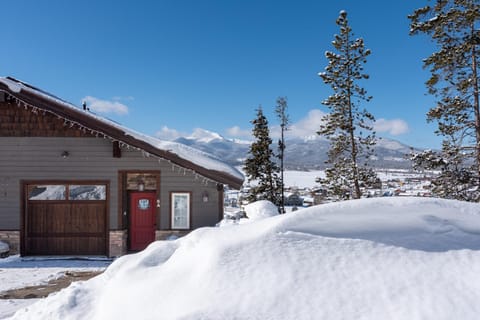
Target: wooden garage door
<point x="66" y="219"/>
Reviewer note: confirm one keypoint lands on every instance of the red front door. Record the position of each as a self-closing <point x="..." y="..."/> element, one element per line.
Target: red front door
<point x="142" y="219"/>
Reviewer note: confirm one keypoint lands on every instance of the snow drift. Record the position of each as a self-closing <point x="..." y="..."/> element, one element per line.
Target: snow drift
<point x="388" y="258"/>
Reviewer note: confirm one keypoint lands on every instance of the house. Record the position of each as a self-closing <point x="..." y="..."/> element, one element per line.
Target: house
<point x="293" y="199"/>
<point x="75" y="183"/>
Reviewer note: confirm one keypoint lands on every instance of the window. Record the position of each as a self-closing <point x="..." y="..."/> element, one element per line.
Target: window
<point x="180" y="210"/>
<point x="143" y="204"/>
<point x="47" y="192"/>
<point x="87" y="192"/>
<point x="62" y="192"/>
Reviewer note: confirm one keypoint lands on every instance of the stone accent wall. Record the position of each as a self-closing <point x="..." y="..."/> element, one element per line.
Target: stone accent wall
<point x="13" y="240"/>
<point x="165" y="234"/>
<point x="118" y="243"/>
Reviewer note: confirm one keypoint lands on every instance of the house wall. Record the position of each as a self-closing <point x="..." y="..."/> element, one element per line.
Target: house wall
<point x="39" y="158"/>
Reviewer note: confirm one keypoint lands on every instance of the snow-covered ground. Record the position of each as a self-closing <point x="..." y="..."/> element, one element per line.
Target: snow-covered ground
<point x="306" y="179"/>
<point x="16" y="272"/>
<point x="379" y="258"/>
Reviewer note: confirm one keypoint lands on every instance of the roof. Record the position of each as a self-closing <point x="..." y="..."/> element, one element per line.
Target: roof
<point x="184" y="156"/>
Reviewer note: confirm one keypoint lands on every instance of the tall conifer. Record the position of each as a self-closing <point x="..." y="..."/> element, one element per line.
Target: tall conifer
<point x="453" y="27"/>
<point x="260" y="166"/>
<point x="348" y="127"/>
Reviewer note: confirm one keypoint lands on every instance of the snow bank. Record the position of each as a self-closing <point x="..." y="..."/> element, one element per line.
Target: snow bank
<point x="387" y="258"/>
<point x="4" y="249"/>
<point x="260" y="210"/>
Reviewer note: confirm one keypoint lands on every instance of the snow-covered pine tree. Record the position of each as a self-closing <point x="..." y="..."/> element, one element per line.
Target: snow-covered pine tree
<point x="260" y="165"/>
<point x="281" y="111"/>
<point x="349" y="128"/>
<point x="453" y="27"/>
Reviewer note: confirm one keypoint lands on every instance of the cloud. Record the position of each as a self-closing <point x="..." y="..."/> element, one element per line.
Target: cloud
<point x="394" y="127"/>
<point x="105" y="106"/>
<point x="119" y="98"/>
<point x="237" y="132"/>
<point x="168" y="134"/>
<point x="307" y="126"/>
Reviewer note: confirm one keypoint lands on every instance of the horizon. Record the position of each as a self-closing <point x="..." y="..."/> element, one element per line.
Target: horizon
<point x="168" y="68"/>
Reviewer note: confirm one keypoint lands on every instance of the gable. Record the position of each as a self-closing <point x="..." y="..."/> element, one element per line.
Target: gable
<point x="17" y="121"/>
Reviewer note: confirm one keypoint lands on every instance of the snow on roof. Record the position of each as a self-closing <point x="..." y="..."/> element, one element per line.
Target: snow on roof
<point x="185" y="152"/>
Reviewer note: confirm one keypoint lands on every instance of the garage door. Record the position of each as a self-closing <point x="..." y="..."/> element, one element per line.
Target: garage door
<point x="65" y="219"/>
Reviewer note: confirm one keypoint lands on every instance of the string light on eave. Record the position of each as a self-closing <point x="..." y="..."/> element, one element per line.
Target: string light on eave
<point x="71" y="124"/>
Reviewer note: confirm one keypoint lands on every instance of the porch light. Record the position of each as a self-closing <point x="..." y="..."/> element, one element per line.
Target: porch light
<point x="65" y="154"/>
<point x="205" y="196"/>
<point x="141" y="185"/>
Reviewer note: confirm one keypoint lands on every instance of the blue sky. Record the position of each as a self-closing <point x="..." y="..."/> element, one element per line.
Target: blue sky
<point x="166" y="68"/>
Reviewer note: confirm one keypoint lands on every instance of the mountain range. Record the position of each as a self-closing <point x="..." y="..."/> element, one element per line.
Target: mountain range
<point x="308" y="153"/>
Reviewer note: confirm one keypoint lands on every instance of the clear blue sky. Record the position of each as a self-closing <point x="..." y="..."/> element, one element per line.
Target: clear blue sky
<point x="209" y="64"/>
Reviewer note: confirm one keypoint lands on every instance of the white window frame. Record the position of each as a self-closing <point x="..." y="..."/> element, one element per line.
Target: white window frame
<point x="172" y="212"/>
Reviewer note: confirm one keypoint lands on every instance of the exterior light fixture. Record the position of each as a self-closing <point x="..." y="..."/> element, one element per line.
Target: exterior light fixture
<point x="205" y="196"/>
<point x="141" y="185"/>
<point x="65" y="154"/>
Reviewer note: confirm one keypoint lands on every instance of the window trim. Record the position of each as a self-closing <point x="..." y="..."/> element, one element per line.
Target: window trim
<point x="67" y="185"/>
<point x="189" y="214"/>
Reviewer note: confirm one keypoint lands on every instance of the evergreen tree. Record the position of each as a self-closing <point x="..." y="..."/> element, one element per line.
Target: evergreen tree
<point x="348" y="127"/>
<point x="260" y="165"/>
<point x="281" y="111"/>
<point x="451" y="24"/>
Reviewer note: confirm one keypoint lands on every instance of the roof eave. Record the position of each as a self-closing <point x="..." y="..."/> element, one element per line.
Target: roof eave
<point x="115" y="133"/>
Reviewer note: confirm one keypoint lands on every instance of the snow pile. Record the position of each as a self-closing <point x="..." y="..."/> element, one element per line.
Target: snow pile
<point x="4" y="249"/>
<point x="260" y="210"/>
<point x="382" y="258"/>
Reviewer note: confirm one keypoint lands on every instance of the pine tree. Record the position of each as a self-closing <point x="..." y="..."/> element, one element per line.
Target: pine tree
<point x="260" y="165"/>
<point x="348" y="127"/>
<point x="451" y="24"/>
<point x="281" y="111"/>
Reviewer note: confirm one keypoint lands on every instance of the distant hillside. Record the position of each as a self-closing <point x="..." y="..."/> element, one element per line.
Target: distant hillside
<point x="301" y="154"/>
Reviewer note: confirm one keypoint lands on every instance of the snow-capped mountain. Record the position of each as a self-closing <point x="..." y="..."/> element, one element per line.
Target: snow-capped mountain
<point x="301" y="153"/>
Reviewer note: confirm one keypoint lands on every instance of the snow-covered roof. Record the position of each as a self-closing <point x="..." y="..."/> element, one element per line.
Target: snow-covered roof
<point x="200" y="162"/>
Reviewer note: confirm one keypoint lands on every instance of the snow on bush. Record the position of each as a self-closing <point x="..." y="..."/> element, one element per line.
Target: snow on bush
<point x="260" y="210"/>
<point x="380" y="258"/>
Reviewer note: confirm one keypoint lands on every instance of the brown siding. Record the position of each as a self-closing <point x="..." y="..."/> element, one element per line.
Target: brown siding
<point x="16" y="121"/>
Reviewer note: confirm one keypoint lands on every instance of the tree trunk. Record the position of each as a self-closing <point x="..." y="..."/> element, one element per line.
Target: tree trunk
<point x="476" y="101"/>
<point x="353" y="144"/>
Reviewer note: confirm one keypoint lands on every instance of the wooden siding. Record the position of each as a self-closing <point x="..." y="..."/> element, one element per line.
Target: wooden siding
<point x="17" y="121"/>
<point x="39" y="158"/>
